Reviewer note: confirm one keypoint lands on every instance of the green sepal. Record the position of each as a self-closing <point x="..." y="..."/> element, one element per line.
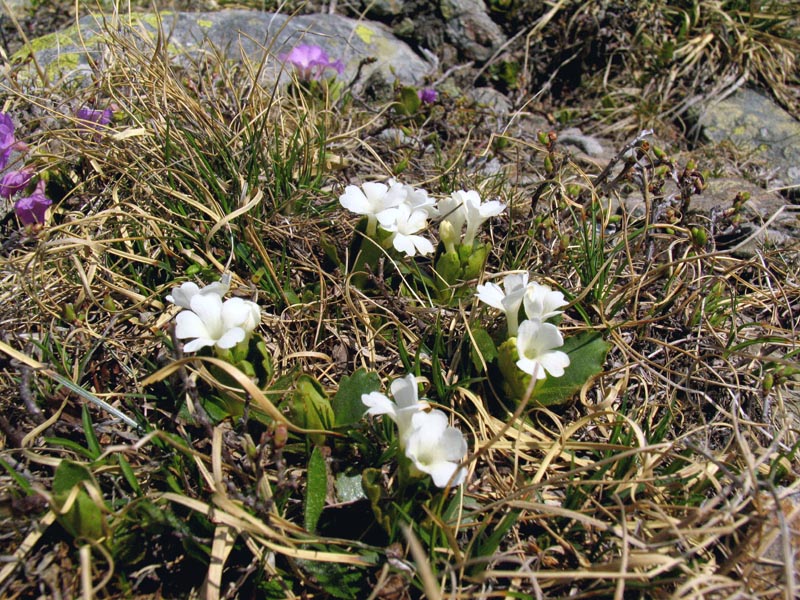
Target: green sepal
<point x="473" y="268"/>
<point x="515" y="381"/>
<point x="448" y="268"/>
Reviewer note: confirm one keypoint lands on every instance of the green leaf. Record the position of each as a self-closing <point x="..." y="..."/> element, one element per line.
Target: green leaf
<point x="408" y="102"/>
<point x="347" y="406"/>
<point x="338" y="581"/>
<point x="488" y="544"/>
<point x="483" y="346"/>
<point x="129" y="474"/>
<point x="311" y="408"/>
<point x="88" y="431"/>
<point x="316" y="489"/>
<point x="84" y="519"/>
<point x="587" y="353"/>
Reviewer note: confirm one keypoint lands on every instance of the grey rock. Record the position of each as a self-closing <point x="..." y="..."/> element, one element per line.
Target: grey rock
<point x="382" y="8"/>
<point x="493" y="105"/>
<point x="587" y="144"/>
<point x="492" y="100"/>
<point x="470" y="29"/>
<point x="236" y="34"/>
<point x="757" y="124"/>
<point x="768" y="217"/>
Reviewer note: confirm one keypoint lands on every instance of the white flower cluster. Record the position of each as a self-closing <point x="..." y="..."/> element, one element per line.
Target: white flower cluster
<point x="403" y="211"/>
<point x="536" y="339"/>
<point x="433" y="446"/>
<point x="209" y="320"/>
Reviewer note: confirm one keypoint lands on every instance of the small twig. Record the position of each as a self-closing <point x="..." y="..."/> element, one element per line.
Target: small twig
<point x="600" y="180"/>
<point x="25" y="392"/>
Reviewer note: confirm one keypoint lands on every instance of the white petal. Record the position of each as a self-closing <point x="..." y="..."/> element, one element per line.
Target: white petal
<point x="388" y="218"/>
<point x="413" y="222"/>
<point x="378" y="404"/>
<point x="441" y="472"/>
<point x="491" y="208"/>
<point x="491" y="294"/>
<point x="534" y="338"/>
<point x="549" y="336"/>
<point x="404" y="243"/>
<point x="182" y="296"/>
<point x="429" y="428"/>
<point x="209" y="308"/>
<point x="531" y="366"/>
<point x="454" y="446"/>
<point x="217" y="287"/>
<point x="423" y="245"/>
<point x="515" y="282"/>
<point x="375" y="192"/>
<point x="355" y="201"/>
<point x="198" y="343"/>
<point x="189" y="325"/>
<point x="405" y="391"/>
<point x="234" y="313"/>
<point x="554" y="362"/>
<point x="231" y="337"/>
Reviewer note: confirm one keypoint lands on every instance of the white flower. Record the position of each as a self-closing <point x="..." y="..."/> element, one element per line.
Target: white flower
<point x="542" y="302"/>
<point x="406" y="404"/>
<point x="212" y="322"/>
<point x="182" y="296"/>
<point x="415" y="198"/>
<point x="370" y="199"/>
<point x="405" y="224"/>
<point x="536" y="341"/>
<point x="508" y="298"/>
<point x="436" y="448"/>
<point x="466" y="207"/>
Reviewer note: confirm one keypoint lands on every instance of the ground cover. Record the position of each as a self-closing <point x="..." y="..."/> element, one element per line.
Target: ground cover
<point x="202" y="446"/>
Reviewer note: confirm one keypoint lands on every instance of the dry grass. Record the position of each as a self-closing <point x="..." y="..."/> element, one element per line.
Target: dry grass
<point x="672" y="474"/>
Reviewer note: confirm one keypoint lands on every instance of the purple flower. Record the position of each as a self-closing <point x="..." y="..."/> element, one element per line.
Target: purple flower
<point x="428" y="95"/>
<point x="7" y="139"/>
<point x="31" y="209"/>
<point x="94" y="119"/>
<point x="311" y="61"/>
<point x="14" y="181"/>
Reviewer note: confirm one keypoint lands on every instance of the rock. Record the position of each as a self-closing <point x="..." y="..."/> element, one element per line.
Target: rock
<point x="379" y="9"/>
<point x="587" y="144"/>
<point x="234" y="33"/>
<point x="757" y="227"/>
<point x="768" y="217"/>
<point x="470" y="29"/>
<point x="757" y="124"/>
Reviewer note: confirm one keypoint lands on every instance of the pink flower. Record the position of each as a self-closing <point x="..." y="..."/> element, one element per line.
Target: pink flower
<point x="428" y="95"/>
<point x="14" y="182"/>
<point x="94" y="119"/>
<point x="31" y="209"/>
<point x="7" y="139"/>
<point x="311" y="61"/>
